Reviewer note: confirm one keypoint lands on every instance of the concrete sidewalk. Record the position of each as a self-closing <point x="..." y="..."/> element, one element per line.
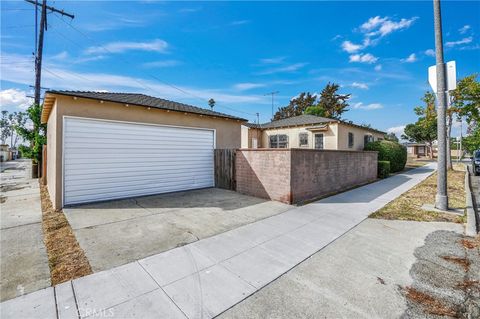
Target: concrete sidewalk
<point x="23" y="257"/>
<point x="205" y="278"/>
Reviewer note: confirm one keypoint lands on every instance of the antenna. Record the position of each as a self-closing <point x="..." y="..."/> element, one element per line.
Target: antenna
<point x="273" y="97"/>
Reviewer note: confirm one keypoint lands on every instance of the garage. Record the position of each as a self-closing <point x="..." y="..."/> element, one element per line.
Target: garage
<point x="105" y="146"/>
<point x="106" y="160"/>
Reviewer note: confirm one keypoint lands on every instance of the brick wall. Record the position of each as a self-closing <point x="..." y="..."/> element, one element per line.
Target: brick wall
<point x="318" y="173"/>
<point x="296" y="175"/>
<point x="264" y="173"/>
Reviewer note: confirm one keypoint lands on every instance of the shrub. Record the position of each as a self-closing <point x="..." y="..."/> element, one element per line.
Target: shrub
<point x="390" y="151"/>
<point x="383" y="169"/>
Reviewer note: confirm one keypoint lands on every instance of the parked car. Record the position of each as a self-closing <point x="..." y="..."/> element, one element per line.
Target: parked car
<point x="476" y="162"/>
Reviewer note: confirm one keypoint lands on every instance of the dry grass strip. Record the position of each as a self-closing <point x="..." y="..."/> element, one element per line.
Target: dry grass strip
<point x="66" y="259"/>
<point x="429" y="304"/>
<point x="408" y="206"/>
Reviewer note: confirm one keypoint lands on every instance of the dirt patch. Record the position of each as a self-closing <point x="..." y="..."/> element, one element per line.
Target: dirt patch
<point x="409" y="205"/>
<point x="463" y="262"/>
<point x="66" y="259"/>
<point x="3" y="199"/>
<point x="470" y="285"/>
<point x="429" y="304"/>
<point x="471" y="244"/>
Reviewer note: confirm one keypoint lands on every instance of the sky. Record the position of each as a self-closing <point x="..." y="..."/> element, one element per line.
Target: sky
<point x="238" y="52"/>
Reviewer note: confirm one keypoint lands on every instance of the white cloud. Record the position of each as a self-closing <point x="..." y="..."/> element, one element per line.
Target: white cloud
<point x="162" y="64"/>
<point x="373" y="30"/>
<point x="156" y="45"/>
<point x="372" y="23"/>
<point x="15" y="98"/>
<point x="284" y="69"/>
<point x="60" y="56"/>
<point x="360" y="85"/>
<point x="368" y="107"/>
<point x="189" y="10"/>
<point x="377" y="26"/>
<point x="247" y="86"/>
<point x="363" y="58"/>
<point x="378" y="67"/>
<point x="350" y="47"/>
<point x="59" y="76"/>
<point x="464" y="29"/>
<point x="459" y="42"/>
<point x="397" y="130"/>
<point x="239" y="22"/>
<point x="275" y="60"/>
<point x="430" y="52"/>
<point x="410" y="59"/>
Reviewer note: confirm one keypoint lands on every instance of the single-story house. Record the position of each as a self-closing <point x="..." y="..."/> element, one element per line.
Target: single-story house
<point x="309" y="131"/>
<point x="103" y="146"/>
<point x="417" y="149"/>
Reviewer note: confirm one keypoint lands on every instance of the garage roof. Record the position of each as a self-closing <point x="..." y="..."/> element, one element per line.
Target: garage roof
<point x="132" y="99"/>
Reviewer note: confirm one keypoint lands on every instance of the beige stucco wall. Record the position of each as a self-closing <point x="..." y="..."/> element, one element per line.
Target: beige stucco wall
<point x="51" y="154"/>
<point x="358" y="134"/>
<point x="329" y="141"/>
<point x="228" y="132"/>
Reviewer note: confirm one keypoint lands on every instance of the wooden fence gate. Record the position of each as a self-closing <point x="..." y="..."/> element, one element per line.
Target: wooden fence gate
<point x="225" y="169"/>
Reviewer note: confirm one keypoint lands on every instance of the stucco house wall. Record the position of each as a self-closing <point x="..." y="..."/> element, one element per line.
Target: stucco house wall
<point x="358" y="139"/>
<point x="329" y="141"/>
<point x="228" y="131"/>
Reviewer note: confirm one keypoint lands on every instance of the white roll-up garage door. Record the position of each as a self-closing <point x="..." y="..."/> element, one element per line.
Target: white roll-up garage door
<point x="107" y="159"/>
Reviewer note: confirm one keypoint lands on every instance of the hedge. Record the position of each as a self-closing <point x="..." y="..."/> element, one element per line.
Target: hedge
<point x="390" y="151"/>
<point x="383" y="169"/>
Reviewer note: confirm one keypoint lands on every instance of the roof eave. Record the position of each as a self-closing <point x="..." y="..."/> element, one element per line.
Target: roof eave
<point x="48" y="103"/>
<point x="140" y="105"/>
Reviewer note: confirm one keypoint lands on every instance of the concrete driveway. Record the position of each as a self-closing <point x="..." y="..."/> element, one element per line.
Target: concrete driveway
<point x="117" y="232"/>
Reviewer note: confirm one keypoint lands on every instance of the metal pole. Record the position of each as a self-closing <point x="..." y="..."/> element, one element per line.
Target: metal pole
<point x="441" y="199"/>
<point x="461" y="137"/>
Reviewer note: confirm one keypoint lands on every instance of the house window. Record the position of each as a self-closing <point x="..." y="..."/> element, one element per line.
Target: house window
<point x="367" y="139"/>
<point x="279" y="141"/>
<point x="319" y="141"/>
<point x="350" y="140"/>
<point x="303" y="139"/>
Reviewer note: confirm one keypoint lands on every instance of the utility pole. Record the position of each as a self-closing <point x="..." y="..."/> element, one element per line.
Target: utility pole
<point x="441" y="199"/>
<point x="38" y="61"/>
<point x="273" y="99"/>
<point x="258" y="118"/>
<point x="39" y="45"/>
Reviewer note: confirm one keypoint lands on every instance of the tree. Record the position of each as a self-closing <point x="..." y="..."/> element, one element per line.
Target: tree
<point x="211" y="103"/>
<point x="5" y="127"/>
<point x="466" y="103"/>
<point x="391" y="137"/>
<point x="35" y="135"/>
<point x="466" y="99"/>
<point x="472" y="141"/>
<point x="297" y="106"/>
<point x="328" y="104"/>
<point x="425" y="129"/>
<point x="331" y="104"/>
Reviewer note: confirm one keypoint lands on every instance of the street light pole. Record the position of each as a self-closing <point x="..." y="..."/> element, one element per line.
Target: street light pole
<point x="441" y="199"/>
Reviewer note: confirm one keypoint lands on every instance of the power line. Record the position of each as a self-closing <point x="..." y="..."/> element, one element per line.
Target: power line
<point x="148" y="74"/>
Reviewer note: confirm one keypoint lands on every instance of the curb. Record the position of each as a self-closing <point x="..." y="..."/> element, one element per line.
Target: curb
<point x="471" y="227"/>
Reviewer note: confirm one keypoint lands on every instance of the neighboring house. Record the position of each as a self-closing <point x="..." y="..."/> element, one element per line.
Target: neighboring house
<point x="417" y="149"/>
<point x="103" y="146"/>
<point x="309" y="131"/>
<point x="5" y="153"/>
